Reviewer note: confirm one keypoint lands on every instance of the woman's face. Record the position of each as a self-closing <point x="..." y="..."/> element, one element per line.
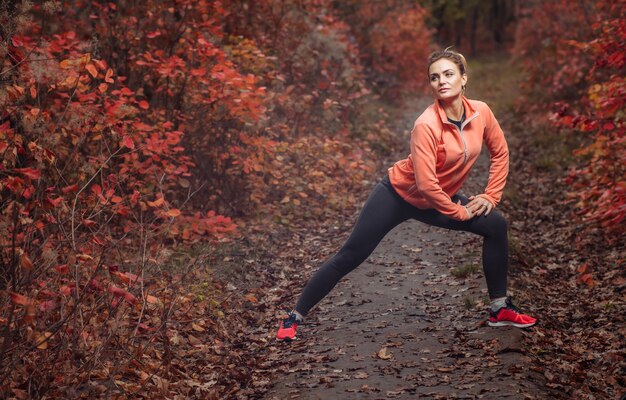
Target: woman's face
<point x="446" y="80"/>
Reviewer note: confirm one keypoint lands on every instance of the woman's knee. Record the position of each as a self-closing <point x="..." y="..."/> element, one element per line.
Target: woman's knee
<point x="348" y="258"/>
<point x="496" y="224"/>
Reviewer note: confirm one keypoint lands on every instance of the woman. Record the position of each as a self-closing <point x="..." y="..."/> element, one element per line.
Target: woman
<point x="445" y="143"/>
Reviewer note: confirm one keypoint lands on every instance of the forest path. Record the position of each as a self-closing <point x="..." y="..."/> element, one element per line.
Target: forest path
<point x="409" y="323"/>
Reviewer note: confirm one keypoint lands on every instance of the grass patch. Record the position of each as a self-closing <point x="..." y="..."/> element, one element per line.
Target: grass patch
<point x="469" y="303"/>
<point x="546" y="162"/>
<point x="471" y="254"/>
<point x="464" y="271"/>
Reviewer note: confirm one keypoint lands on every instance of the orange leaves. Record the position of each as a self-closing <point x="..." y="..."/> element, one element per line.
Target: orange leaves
<point x="82" y="72"/>
<point x="585" y="276"/>
<point x="142" y="127"/>
<point x="66" y="290"/>
<point x="25" y="262"/>
<point x="41" y="339"/>
<point x="84" y="257"/>
<point x="75" y="62"/>
<point x="62" y="269"/>
<point x="157" y="203"/>
<point x="15" y="92"/>
<point x="173" y="212"/>
<point x="128" y="142"/>
<point x="152" y="300"/>
<point x="169" y="212"/>
<point x="198" y="71"/>
<point x="30" y="173"/>
<point x="108" y="78"/>
<point x="122" y="293"/>
<point x="28" y="304"/>
<point x="20" y="300"/>
<point x="239" y="93"/>
<point x="126" y="277"/>
<point x="251" y="298"/>
<point x="92" y="70"/>
<point x="54" y="202"/>
<point x="69" y="189"/>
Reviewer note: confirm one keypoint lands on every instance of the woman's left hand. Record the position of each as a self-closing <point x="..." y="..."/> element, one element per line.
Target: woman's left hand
<point x="479" y="205"/>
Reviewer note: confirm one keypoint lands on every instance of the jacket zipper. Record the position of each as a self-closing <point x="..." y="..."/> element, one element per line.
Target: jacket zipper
<point x="467" y="121"/>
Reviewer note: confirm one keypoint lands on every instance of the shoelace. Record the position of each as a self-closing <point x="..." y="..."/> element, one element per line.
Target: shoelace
<point x="508" y="306"/>
<point x="511" y="306"/>
<point x="287" y="322"/>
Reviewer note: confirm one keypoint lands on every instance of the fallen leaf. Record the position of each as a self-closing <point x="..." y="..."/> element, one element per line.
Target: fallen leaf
<point x="384" y="354"/>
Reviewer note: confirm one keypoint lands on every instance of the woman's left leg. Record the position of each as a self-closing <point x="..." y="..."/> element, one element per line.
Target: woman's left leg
<point x="494" y="230"/>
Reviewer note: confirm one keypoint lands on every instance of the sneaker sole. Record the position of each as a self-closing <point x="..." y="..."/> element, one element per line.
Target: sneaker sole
<point x="510" y="324"/>
<point x="286" y="339"/>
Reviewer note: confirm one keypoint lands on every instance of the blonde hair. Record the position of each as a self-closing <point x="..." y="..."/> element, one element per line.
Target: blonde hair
<point x="457" y="58"/>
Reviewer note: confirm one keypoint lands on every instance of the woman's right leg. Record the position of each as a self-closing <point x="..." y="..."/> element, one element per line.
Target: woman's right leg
<point x="382" y="211"/>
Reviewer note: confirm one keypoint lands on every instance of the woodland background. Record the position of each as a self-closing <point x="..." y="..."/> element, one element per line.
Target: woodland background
<point x="160" y="161"/>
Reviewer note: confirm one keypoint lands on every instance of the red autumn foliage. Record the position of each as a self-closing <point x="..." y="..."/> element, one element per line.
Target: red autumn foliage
<point x="128" y="132"/>
<point x="394" y="40"/>
<point x="578" y="71"/>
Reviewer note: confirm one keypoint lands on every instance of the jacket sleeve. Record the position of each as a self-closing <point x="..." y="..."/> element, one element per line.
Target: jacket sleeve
<point x="424" y="157"/>
<point x="499" y="156"/>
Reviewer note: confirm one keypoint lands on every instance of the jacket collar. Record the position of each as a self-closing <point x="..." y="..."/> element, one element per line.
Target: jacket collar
<point x="469" y="110"/>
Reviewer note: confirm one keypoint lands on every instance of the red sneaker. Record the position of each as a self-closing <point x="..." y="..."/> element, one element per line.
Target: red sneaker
<point x="287" y="329"/>
<point x="510" y="315"/>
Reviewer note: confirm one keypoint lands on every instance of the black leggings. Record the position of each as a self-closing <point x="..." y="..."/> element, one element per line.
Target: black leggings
<point x="385" y="209"/>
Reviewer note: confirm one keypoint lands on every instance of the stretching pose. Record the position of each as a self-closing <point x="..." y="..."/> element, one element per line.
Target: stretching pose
<point x="445" y="143"/>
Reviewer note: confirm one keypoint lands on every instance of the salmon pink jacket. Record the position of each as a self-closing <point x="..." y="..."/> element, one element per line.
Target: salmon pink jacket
<point x="442" y="156"/>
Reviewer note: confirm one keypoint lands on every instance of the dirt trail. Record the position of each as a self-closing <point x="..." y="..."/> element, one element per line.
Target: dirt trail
<point x="403" y="326"/>
<point x="400" y="326"/>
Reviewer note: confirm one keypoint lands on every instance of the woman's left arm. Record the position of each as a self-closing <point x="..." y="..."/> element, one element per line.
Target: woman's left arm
<point x="499" y="155"/>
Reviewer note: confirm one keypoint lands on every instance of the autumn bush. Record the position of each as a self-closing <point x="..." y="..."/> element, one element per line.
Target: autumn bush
<point x="244" y="81"/>
<point x="395" y="40"/>
<point x="574" y="67"/>
<point x="90" y="182"/>
<point x="132" y="131"/>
